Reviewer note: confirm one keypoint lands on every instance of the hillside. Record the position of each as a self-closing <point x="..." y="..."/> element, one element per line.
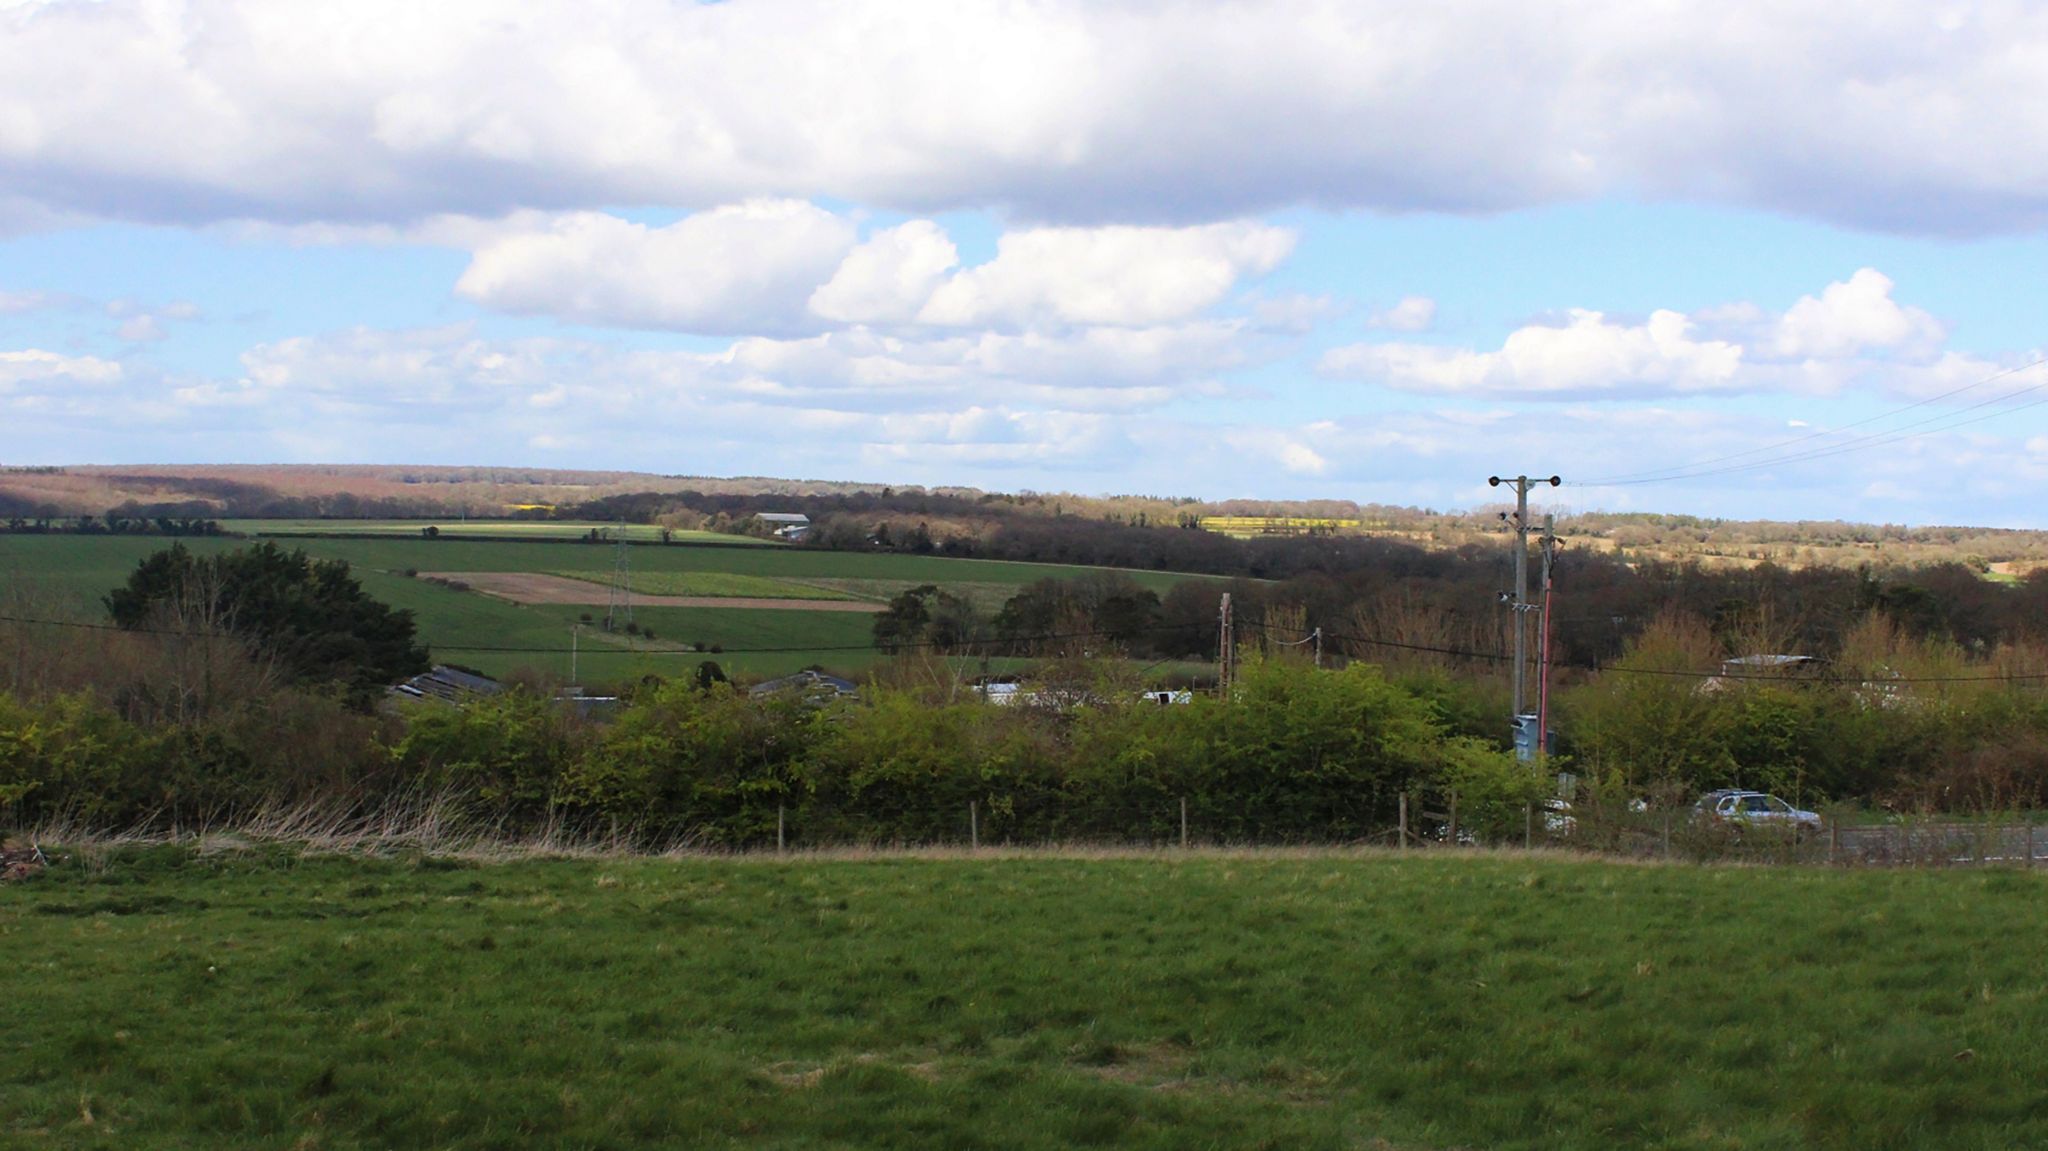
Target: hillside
<point x="686" y="502"/>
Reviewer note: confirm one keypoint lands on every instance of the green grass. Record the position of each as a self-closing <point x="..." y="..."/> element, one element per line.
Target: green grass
<point x="770" y="562"/>
<point x="495" y="529"/>
<point x="723" y="585"/>
<point x="66" y="575"/>
<point x="262" y="999"/>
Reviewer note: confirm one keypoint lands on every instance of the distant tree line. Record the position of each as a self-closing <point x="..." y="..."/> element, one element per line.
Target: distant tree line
<point x="112" y="523"/>
<point x="1380" y="600"/>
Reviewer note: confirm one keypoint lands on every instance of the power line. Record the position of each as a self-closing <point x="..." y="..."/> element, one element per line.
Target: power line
<point x="1370" y="641"/>
<point x="1700" y="468"/>
<point x="1488" y="656"/>
<point x="1597" y="668"/>
<point x="494" y="649"/>
<point x="1625" y="476"/>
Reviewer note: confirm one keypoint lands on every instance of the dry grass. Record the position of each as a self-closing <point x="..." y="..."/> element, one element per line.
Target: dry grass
<point x="437" y="825"/>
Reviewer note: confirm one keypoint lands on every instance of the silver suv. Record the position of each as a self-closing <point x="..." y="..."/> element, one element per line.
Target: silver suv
<point x="1754" y="808"/>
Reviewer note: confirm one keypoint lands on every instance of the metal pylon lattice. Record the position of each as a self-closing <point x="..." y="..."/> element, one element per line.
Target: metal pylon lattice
<point x="618" y="611"/>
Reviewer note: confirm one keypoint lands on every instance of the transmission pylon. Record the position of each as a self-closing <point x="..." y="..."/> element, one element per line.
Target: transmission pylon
<point x="618" y="611"/>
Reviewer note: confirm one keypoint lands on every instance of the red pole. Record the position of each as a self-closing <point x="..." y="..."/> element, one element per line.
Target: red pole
<point x="1543" y="682"/>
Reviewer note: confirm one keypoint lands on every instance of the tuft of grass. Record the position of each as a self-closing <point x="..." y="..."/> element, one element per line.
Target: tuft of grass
<point x="262" y="996"/>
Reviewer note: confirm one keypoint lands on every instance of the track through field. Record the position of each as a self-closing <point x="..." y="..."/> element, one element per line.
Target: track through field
<point x="537" y="588"/>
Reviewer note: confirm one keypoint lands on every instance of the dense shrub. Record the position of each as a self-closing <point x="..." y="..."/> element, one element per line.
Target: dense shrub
<point x="69" y="757"/>
<point x="505" y="754"/>
<point x="1295" y="754"/>
<point x="705" y="764"/>
<point x="893" y="768"/>
<point x="1301" y="753"/>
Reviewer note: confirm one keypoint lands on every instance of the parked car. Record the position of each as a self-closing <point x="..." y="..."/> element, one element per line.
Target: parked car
<point x="1754" y="809"/>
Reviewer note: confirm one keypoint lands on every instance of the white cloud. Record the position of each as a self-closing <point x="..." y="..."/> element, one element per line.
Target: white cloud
<point x="1295" y="313"/>
<point x="899" y="409"/>
<point x="780" y="267"/>
<point x="33" y="368"/>
<point x="144" y="328"/>
<point x="1589" y="355"/>
<point x="888" y="278"/>
<point x="13" y="302"/>
<point x="1852" y="316"/>
<point x="1161" y="353"/>
<point x="1285" y="448"/>
<point x="1851" y="334"/>
<point x="855" y="397"/>
<point x="744" y="268"/>
<point x="1412" y="314"/>
<point x="856" y="370"/>
<point x="1905" y="118"/>
<point x="371" y="370"/>
<point x="1112" y="275"/>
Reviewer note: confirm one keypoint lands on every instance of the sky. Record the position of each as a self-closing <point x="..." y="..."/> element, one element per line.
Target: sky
<point x="1744" y="259"/>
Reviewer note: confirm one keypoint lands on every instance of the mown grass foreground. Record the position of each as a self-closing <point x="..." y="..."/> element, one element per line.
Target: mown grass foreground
<point x="262" y="998"/>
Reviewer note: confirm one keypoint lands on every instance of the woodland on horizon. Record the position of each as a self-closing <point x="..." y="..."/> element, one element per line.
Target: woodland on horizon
<point x="242" y="491"/>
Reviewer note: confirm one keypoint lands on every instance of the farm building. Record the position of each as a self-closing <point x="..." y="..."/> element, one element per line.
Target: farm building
<point x="787" y="525"/>
<point x="447" y="684"/>
<point x="809" y="683"/>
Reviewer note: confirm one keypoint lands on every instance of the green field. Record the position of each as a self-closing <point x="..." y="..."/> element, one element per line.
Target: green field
<point x="67" y="574"/>
<point x="161" y="998"/>
<point x="492" y="529"/>
<point x="723" y="585"/>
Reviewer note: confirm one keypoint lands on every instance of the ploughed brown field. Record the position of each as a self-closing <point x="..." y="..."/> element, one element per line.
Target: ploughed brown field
<point x="534" y="587"/>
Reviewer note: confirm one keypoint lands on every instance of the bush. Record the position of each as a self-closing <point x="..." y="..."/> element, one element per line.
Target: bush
<point x="505" y="754"/>
<point x="711" y="766"/>
<point x="892" y="768"/>
<point x="70" y="757"/>
<point x="1304" y="753"/>
<point x="1495" y="790"/>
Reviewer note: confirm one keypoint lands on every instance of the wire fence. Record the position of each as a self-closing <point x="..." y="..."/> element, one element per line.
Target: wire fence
<point x="1435" y="821"/>
<point x="1418" y="822"/>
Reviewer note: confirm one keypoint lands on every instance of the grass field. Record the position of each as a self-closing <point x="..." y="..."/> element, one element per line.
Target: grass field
<point x="162" y="998"/>
<point x="493" y="529"/>
<point x="722" y="584"/>
<point x="67" y="575"/>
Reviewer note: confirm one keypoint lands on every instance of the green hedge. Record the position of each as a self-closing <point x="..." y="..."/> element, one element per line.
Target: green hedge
<point x="1296" y="755"/>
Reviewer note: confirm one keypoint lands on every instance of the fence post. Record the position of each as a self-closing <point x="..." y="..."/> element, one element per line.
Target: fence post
<point x="1402" y="843"/>
<point x="1667" y="835"/>
<point x="974" y="824"/>
<point x="778" y="829"/>
<point x="1528" y="827"/>
<point x="1451" y="836"/>
<point x="1183" y="823"/>
<point x="1834" y="833"/>
<point x="2030" y="839"/>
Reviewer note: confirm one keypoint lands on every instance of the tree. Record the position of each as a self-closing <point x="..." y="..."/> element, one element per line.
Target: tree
<point x="310" y="617"/>
<point x="925" y="615"/>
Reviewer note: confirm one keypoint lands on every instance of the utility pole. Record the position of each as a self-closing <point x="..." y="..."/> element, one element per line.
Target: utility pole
<point x="1224" y="654"/>
<point x="1550" y="543"/>
<point x="1519" y="604"/>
